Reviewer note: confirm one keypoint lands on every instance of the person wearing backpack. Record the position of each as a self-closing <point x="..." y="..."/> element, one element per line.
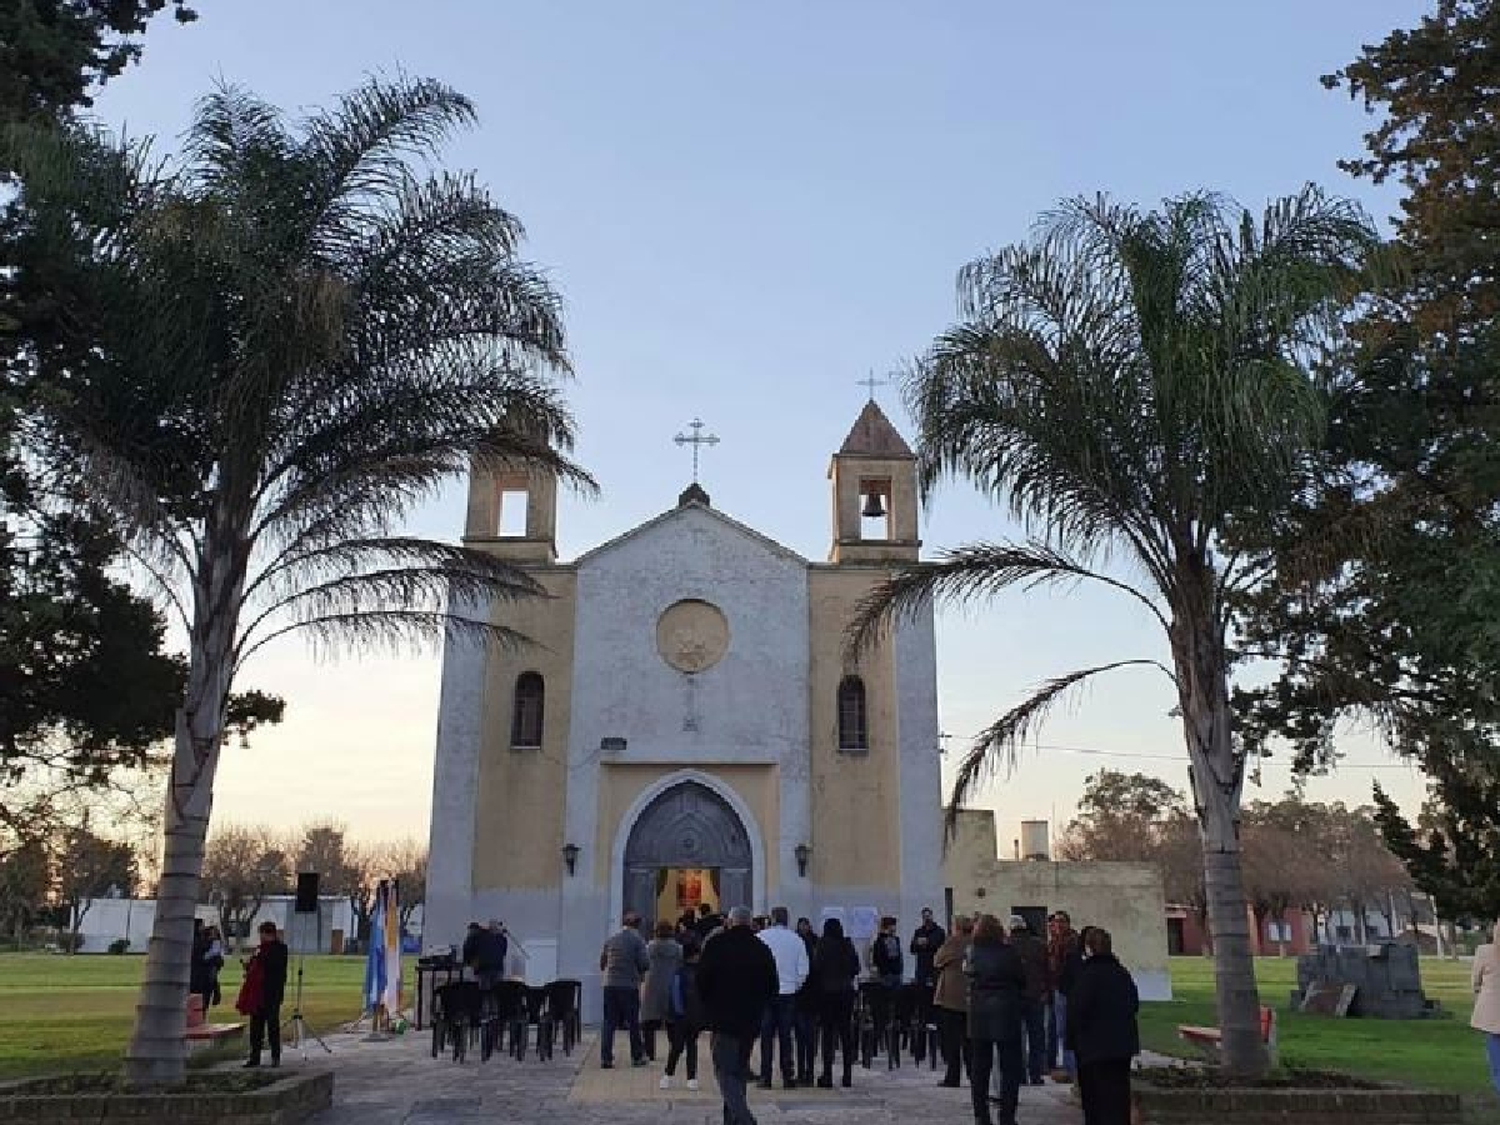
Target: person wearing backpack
<point x="685" y="1017"/>
<point x="890" y="969"/>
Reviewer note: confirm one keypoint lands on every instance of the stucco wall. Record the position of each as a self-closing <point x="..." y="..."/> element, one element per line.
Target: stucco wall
<point x="518" y="829"/>
<point x="1124" y="898"/>
<point x="853" y="794"/>
<point x="455" y="778"/>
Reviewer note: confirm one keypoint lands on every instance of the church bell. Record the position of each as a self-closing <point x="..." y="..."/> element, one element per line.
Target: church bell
<point x="874" y="508"/>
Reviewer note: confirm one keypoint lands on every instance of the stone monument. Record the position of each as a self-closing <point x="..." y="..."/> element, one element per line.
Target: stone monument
<point x="1386" y="979"/>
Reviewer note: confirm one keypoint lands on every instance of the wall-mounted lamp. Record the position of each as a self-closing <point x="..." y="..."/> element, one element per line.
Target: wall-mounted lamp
<point x="570" y="857"/>
<point x="802" y="852"/>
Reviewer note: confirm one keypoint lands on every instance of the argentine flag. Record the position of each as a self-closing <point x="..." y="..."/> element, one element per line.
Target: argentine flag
<point x="375" y="963"/>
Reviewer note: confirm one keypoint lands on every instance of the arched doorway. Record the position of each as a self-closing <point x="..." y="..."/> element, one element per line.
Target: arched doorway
<point x="687" y="830"/>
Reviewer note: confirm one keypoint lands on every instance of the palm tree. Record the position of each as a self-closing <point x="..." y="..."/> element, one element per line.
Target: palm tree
<point x="1126" y="384"/>
<point x="283" y="343"/>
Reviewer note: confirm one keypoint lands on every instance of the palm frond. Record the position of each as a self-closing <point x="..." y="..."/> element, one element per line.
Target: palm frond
<point x="405" y="587"/>
<point x="234" y="142"/>
<point x="359" y="153"/>
<point x="998" y="744"/>
<point x="396" y="630"/>
<point x="339" y="557"/>
<point x="129" y="492"/>
<point x="977" y="570"/>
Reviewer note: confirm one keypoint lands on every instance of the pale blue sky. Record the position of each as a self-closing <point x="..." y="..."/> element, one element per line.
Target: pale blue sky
<point x="747" y="208"/>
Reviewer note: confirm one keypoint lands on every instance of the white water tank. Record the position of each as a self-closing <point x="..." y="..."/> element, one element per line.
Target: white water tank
<point x="1036" y="841"/>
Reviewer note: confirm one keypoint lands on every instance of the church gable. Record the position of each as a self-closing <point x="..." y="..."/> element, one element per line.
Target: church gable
<point x="697" y="518"/>
<point x="684" y="627"/>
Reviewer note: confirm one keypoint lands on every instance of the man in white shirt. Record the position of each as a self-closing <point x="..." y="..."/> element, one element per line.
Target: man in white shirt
<point x="790" y="954"/>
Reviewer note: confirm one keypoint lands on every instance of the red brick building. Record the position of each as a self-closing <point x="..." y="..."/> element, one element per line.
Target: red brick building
<point x="1288" y="935"/>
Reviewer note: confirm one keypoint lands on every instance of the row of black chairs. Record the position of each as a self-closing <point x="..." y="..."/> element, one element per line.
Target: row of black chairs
<point x="899" y="1019"/>
<point x="465" y="1014"/>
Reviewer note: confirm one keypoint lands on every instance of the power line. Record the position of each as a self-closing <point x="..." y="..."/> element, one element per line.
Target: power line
<point x="1094" y="751"/>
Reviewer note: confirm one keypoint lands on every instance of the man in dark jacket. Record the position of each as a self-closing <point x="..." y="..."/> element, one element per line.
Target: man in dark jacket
<point x="708" y="921"/>
<point x="484" y="953"/>
<point x="474" y="940"/>
<point x="1033" y="956"/>
<point x="265" y="1020"/>
<point x="996" y="981"/>
<point x="736" y="980"/>
<point x="924" y="946"/>
<point x="1102" y="1031"/>
<point x="807" y="1009"/>
<point x="890" y="967"/>
<point x="925" y="943"/>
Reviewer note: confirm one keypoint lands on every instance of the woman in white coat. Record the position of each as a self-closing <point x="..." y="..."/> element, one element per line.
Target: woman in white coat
<point x="1486" y="978"/>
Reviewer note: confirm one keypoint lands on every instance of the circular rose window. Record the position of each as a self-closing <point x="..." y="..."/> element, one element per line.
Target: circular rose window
<point x="692" y="635"/>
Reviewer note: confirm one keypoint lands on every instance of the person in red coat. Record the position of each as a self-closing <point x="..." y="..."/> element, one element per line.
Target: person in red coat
<point x="262" y="993"/>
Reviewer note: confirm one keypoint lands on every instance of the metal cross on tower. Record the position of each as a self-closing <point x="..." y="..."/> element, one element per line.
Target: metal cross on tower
<point x="871" y="382"/>
<point x="697" y="440"/>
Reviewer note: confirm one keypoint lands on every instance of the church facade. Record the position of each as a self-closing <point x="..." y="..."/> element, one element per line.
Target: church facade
<point x="686" y="725"/>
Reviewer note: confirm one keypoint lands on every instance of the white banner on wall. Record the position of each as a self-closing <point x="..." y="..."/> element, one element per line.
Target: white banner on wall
<point x="864" y="921"/>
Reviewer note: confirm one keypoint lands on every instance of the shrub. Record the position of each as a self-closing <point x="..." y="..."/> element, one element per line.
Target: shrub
<point x="119" y="945"/>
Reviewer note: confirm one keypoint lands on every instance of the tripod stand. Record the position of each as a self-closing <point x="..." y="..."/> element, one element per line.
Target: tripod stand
<point x="300" y="1032"/>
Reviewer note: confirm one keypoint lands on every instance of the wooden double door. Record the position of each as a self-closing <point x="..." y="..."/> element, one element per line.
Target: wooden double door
<point x="687" y="826"/>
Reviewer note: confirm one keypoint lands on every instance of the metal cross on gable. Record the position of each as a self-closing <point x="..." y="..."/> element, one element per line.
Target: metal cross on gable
<point x="871" y="382"/>
<point x="697" y="440"/>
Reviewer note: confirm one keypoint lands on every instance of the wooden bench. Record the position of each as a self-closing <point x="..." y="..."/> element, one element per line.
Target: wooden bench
<point x="200" y="1031"/>
<point x="1207" y="1039"/>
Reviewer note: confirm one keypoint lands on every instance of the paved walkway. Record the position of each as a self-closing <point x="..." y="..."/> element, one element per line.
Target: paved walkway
<point x="396" y="1082"/>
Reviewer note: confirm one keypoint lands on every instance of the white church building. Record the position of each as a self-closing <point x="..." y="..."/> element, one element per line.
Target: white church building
<point x="687" y="725"/>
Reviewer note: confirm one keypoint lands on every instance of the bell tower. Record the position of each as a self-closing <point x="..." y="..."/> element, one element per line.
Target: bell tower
<point x="874" y="477"/>
<point x="512" y="512"/>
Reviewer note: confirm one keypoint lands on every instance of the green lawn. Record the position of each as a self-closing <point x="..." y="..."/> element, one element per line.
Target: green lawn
<point x="74" y="1013"/>
<point x="1443" y="1053"/>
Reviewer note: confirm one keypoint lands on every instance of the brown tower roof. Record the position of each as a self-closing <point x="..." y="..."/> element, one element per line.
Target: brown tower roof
<point x="874" y="436"/>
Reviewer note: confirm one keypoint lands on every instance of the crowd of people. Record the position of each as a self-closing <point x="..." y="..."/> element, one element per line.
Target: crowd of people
<point x="1004" y="999"/>
<point x="1067" y="1005"/>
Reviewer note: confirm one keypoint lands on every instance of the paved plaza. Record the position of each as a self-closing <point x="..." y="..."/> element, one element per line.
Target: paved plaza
<point x="396" y="1082"/>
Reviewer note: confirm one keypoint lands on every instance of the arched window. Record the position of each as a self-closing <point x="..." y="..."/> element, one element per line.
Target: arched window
<point x="854" y="727"/>
<point x="526" y="715"/>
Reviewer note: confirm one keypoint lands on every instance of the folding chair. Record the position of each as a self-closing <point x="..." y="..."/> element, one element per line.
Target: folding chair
<point x="457" y="1011"/>
<point x="870" y="996"/>
<point x="565" y="1012"/>
<point x="902" y="1027"/>
<point x="505" y="1015"/>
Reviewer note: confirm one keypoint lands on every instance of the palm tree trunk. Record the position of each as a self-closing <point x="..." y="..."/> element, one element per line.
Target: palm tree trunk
<point x="157" y="1051"/>
<point x="1234" y="963"/>
<point x="1202" y="670"/>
